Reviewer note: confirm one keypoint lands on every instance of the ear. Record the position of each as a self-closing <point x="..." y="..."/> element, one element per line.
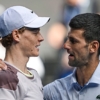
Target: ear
<point x="16" y="35"/>
<point x="94" y="46"/>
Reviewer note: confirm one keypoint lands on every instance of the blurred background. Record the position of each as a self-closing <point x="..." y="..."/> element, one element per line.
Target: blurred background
<point x="52" y="62"/>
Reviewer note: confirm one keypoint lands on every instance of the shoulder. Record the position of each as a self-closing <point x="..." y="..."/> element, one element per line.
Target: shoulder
<point x="8" y="78"/>
<point x="61" y="83"/>
<point x="56" y="89"/>
<point x="57" y="85"/>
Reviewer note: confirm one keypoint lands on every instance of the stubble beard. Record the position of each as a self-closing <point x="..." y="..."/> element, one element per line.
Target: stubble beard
<point x="77" y="63"/>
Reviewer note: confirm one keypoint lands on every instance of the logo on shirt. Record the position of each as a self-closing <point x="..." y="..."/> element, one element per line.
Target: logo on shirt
<point x="98" y="97"/>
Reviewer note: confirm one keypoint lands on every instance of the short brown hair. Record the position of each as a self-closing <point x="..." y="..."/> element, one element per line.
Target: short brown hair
<point x="7" y="40"/>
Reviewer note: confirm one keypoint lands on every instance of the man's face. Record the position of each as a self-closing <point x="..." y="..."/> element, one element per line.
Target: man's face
<point x="30" y="42"/>
<point x="77" y="48"/>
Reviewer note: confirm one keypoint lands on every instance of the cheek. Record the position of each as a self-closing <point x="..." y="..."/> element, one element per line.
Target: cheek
<point x="27" y="43"/>
<point x="30" y="40"/>
<point x="83" y="53"/>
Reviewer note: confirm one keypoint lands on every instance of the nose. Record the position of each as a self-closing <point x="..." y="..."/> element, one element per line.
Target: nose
<point x="41" y="38"/>
<point x="67" y="45"/>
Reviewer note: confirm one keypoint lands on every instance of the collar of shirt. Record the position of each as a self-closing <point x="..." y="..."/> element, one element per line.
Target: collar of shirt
<point x="93" y="82"/>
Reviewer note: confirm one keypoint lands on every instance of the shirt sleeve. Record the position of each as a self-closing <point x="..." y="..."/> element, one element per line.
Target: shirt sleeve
<point x="8" y="84"/>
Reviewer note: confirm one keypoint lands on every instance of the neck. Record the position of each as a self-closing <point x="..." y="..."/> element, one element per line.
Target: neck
<point x="15" y="57"/>
<point x="83" y="74"/>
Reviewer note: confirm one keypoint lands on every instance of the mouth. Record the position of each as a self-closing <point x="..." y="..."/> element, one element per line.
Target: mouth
<point x="71" y="56"/>
<point x="37" y="46"/>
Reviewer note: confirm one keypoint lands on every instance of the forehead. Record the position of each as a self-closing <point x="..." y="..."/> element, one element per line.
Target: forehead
<point x="76" y="33"/>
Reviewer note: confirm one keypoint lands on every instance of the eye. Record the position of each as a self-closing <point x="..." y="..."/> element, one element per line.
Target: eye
<point x="72" y="40"/>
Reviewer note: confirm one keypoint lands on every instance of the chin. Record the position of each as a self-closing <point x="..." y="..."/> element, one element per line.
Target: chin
<point x="35" y="55"/>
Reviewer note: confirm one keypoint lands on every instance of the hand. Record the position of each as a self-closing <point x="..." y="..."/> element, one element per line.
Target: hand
<point x="3" y="66"/>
